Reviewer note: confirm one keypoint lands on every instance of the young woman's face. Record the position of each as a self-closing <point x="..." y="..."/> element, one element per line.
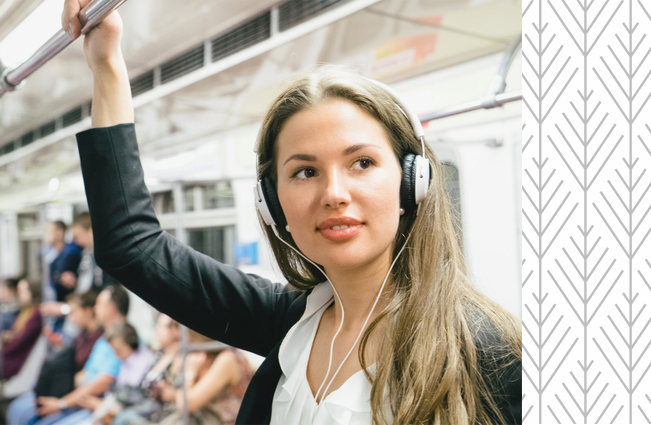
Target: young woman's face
<point x="339" y="185"/>
<point x="166" y="334"/>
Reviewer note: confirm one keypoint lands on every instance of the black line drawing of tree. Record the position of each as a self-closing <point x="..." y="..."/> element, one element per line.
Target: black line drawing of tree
<point x="627" y="234"/>
<point x="581" y="132"/>
<point x="548" y="214"/>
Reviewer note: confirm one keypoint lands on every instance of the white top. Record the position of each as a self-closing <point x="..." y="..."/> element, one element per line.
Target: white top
<point x="293" y="402"/>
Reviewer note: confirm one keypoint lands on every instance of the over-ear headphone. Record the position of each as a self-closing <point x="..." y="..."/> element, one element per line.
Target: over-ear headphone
<point x="413" y="188"/>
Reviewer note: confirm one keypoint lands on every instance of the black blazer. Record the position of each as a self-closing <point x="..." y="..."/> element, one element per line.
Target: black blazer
<point x="217" y="300"/>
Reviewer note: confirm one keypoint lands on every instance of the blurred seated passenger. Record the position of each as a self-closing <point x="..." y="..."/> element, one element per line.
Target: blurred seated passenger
<point x="57" y="377"/>
<point x="168" y="337"/>
<point x="19" y="341"/>
<point x="136" y="361"/>
<point x="9" y="307"/>
<point x="96" y="378"/>
<point x="215" y="383"/>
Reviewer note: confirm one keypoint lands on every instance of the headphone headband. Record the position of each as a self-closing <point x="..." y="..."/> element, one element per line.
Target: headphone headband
<point x="411" y="116"/>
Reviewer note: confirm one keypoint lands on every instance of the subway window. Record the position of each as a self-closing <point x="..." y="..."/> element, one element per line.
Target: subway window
<point x="163" y="202"/>
<point x="215" y="242"/>
<point x="218" y="195"/>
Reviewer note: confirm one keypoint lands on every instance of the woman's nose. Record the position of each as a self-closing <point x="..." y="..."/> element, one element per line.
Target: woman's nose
<point x="336" y="192"/>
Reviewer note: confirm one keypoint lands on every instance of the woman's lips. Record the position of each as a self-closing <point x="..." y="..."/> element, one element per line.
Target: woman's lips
<point x="339" y="229"/>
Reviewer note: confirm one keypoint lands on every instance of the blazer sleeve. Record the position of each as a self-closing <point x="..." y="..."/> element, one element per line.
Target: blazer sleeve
<point x="212" y="298"/>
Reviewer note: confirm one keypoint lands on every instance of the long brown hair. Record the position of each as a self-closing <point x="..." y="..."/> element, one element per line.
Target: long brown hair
<point x="427" y="359"/>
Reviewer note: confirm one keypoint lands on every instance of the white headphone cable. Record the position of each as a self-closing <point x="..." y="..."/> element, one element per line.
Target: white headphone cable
<point x="275" y="230"/>
<point x="367" y="317"/>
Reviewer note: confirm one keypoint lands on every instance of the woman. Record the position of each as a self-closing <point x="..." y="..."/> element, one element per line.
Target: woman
<point x="432" y="349"/>
<point x="215" y="382"/>
<point x="19" y="341"/>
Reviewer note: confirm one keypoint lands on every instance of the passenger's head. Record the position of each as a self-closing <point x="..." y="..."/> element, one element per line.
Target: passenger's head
<point x="167" y="331"/>
<point x="82" y="308"/>
<point x="82" y="232"/>
<point x="332" y="144"/>
<point x="26" y="293"/>
<point x="9" y="289"/>
<point x="56" y="232"/>
<point x="112" y="305"/>
<point x="124" y="340"/>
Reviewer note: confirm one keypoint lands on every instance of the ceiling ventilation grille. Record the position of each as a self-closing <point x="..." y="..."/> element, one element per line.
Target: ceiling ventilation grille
<point x="27" y="138"/>
<point x="293" y="12"/>
<point x="47" y="129"/>
<point x="248" y="34"/>
<point x="142" y="83"/>
<point x="71" y="117"/>
<point x="9" y="147"/>
<point x="184" y="64"/>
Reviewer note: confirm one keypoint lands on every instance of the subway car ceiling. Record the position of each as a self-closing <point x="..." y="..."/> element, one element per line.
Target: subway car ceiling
<point x="203" y="73"/>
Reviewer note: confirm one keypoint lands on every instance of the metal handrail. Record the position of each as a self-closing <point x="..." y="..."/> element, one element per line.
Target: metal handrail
<point x="494" y="97"/>
<point x="89" y="16"/>
<point x="489" y="103"/>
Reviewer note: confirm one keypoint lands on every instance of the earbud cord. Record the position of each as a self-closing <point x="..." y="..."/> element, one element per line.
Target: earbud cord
<point x="275" y="230"/>
<point x="316" y="397"/>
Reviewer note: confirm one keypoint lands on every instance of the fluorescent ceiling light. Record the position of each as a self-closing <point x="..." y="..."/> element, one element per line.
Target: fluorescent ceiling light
<point x="30" y="34"/>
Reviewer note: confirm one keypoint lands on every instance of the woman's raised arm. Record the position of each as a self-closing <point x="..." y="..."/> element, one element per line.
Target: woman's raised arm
<point x="111" y="90"/>
<point x="212" y="298"/>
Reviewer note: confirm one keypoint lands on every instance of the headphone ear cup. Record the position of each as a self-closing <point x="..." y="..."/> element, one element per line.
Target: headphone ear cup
<point x="273" y="204"/>
<point x="421" y="178"/>
<point x="408" y="185"/>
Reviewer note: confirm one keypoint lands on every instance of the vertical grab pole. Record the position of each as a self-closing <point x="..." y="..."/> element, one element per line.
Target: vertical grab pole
<point x="185" y="417"/>
<point x="90" y="16"/>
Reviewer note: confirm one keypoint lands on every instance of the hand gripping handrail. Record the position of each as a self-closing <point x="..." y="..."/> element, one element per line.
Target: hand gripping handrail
<point x="90" y="16"/>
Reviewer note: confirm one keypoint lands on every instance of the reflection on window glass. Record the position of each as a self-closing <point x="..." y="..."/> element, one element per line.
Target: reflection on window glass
<point x="215" y="242"/>
<point x="218" y="195"/>
<point x="163" y="202"/>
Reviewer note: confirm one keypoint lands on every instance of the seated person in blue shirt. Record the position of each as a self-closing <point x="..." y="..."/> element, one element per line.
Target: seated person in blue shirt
<point x="95" y="379"/>
<point x="136" y="361"/>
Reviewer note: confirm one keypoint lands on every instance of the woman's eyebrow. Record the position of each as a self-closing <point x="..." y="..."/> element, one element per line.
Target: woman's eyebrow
<point x="349" y="150"/>
<point x="301" y="157"/>
<point x="354" y="148"/>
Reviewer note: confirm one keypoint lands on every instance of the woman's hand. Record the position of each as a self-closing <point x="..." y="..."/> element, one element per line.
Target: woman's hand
<point x="167" y="392"/>
<point x="111" y="90"/>
<point x="102" y="43"/>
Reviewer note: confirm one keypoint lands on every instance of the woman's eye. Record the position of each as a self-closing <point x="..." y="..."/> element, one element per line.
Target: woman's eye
<point x="363" y="163"/>
<point x="305" y="173"/>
